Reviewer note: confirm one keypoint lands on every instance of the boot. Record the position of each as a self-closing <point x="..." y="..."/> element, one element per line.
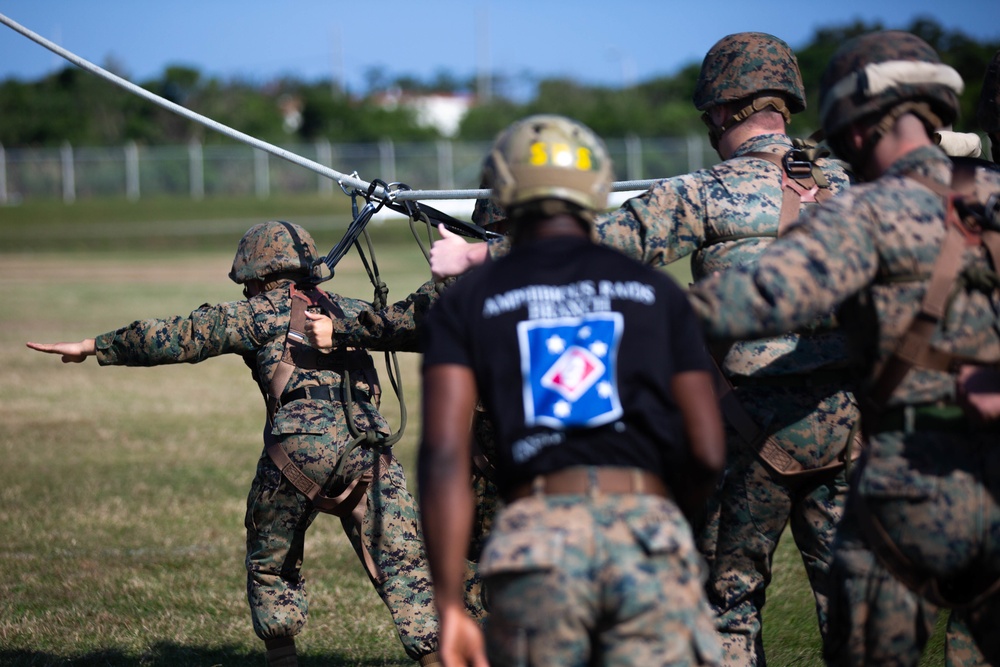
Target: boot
<point x="281" y="652"/>
<point x="430" y="660"/>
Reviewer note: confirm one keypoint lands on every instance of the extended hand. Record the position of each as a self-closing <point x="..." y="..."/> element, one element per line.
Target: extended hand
<point x="71" y="352"/>
<point x="979" y="392"/>
<point x="451" y="255"/>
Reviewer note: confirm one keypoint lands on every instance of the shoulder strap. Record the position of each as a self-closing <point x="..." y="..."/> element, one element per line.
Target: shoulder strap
<point x="802" y="182"/>
<point x="914" y="347"/>
<point x="294" y="336"/>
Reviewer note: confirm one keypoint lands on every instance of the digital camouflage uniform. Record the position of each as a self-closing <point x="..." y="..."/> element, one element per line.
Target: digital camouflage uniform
<point x="794" y="386"/>
<point x="314" y="434"/>
<point x="930" y="478"/>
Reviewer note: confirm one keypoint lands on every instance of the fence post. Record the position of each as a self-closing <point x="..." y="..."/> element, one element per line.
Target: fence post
<point x="3" y="175"/>
<point x="387" y="160"/>
<point x="131" y="171"/>
<point x="695" y="151"/>
<point x="446" y="165"/>
<point x="261" y="172"/>
<point x="196" y="170"/>
<point x="68" y="175"/>
<point x="324" y="155"/>
<point x="633" y="157"/>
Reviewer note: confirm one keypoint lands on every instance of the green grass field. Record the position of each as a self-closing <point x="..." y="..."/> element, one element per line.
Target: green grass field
<point x="121" y="508"/>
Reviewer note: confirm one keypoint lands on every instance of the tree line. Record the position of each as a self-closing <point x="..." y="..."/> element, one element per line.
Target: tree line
<point x="76" y="106"/>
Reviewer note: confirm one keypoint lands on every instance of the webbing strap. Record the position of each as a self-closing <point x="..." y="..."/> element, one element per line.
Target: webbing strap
<point x="914" y="347"/>
<point x="798" y="185"/>
<point x="766" y="447"/>
<point x="295" y="336"/>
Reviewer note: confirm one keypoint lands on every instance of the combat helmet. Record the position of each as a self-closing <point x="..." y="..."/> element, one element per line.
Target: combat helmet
<point x="752" y="67"/>
<point x="548" y="159"/>
<point x="883" y="75"/>
<point x="275" y="249"/>
<point x="988" y="113"/>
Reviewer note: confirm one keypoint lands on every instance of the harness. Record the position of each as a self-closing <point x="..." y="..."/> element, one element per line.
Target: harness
<point x="802" y="182"/>
<point x="968" y="224"/>
<point x="298" y="354"/>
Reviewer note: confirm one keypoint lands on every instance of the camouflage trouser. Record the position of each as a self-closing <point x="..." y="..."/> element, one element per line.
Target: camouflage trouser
<point x="595" y="580"/>
<point x="753" y="505"/>
<point x="277" y="520"/>
<point x="937" y="496"/>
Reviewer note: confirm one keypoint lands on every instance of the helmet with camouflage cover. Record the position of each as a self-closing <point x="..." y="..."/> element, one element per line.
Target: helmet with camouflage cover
<point x="882" y="75"/>
<point x="274" y="248"/>
<point x="546" y="158"/>
<point x="746" y="65"/>
<point x="988" y="113"/>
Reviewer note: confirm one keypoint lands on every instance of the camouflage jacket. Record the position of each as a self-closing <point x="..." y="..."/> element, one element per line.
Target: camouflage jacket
<point x="254" y="329"/>
<point x="869" y="253"/>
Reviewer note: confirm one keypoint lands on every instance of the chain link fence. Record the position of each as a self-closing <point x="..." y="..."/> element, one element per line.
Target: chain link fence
<point x="196" y="171"/>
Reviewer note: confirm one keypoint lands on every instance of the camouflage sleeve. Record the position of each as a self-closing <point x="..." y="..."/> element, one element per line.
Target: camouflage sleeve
<point x="826" y="258"/>
<point x="660" y="226"/>
<point x="209" y="331"/>
<point x="393" y="328"/>
<point x="499" y="247"/>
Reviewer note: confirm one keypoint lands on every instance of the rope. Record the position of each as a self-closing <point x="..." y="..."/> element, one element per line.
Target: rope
<point x="323" y="170"/>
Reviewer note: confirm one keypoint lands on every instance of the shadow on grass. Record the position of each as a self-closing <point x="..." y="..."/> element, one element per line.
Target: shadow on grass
<point x="168" y="654"/>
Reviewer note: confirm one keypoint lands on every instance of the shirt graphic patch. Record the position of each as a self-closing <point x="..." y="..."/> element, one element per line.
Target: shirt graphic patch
<point x="569" y="370"/>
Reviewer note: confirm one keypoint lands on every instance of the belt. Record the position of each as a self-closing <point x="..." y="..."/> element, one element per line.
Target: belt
<point x="579" y="480"/>
<point x="323" y="392"/>
<point x="946" y="417"/>
<point x="811" y="379"/>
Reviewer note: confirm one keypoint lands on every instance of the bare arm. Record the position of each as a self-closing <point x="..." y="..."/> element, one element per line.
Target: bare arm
<point x="72" y="353"/>
<point x="446" y="506"/>
<point x="695" y="396"/>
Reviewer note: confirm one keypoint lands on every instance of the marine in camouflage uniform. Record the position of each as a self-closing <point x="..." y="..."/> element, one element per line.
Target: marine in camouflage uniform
<point x="590" y="560"/>
<point x="310" y="424"/>
<point x="922" y="523"/>
<point x="794" y="385"/>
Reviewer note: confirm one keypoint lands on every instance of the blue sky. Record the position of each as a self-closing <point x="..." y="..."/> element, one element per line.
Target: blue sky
<point x="608" y="42"/>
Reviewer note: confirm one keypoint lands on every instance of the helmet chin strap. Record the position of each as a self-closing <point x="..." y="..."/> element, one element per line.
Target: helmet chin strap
<point x="715" y="132"/>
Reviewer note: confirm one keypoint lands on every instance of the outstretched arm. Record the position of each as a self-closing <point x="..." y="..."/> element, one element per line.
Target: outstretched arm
<point x="72" y="353"/>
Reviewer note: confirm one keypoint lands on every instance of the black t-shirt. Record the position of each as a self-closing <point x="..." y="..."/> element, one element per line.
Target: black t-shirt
<point x="573" y="346"/>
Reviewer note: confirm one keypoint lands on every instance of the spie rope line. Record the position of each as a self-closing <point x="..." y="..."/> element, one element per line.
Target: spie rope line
<point x="344" y="180"/>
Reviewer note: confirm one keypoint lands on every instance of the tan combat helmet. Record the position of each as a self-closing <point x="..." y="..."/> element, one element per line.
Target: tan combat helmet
<point x="876" y="78"/>
<point x="545" y="159"/>
<point x="274" y="249"/>
<point x="752" y="67"/>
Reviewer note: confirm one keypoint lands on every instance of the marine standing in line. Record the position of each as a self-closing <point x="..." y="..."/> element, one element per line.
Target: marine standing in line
<point x="599" y="443"/>
<point x="909" y="259"/>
